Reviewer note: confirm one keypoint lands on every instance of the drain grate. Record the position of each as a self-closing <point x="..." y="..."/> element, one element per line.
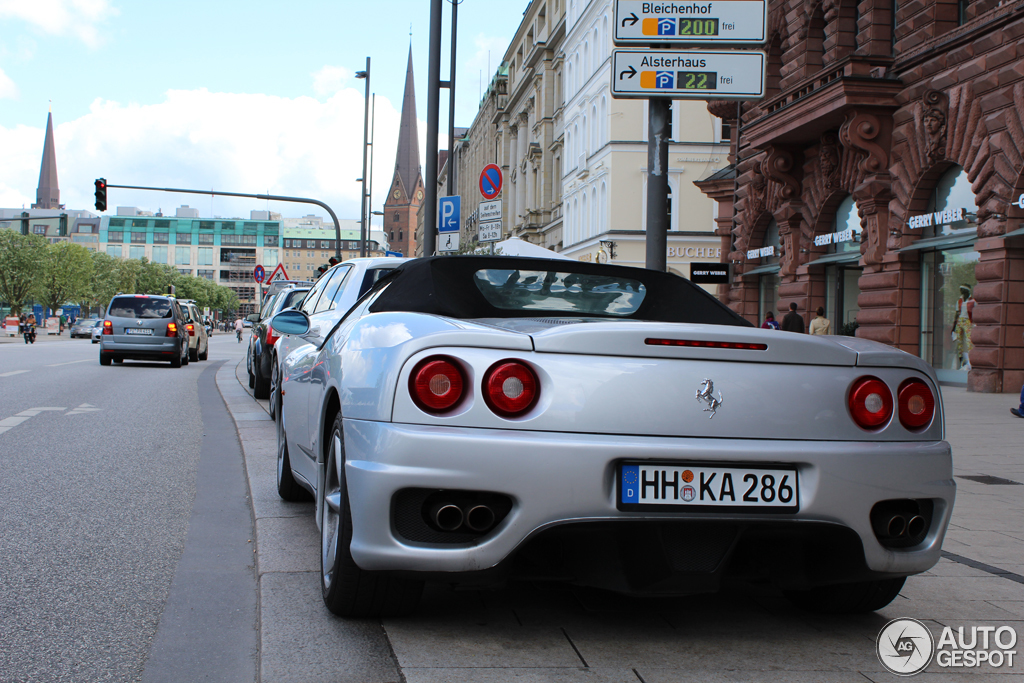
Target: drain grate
<point x="989" y="479"/>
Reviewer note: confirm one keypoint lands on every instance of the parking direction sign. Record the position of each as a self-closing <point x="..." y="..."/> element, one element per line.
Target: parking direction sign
<point x="693" y="22"/>
<point x="490" y="181"/>
<point x="490" y="231"/>
<point x="449" y="214"/>
<point x="688" y="74"/>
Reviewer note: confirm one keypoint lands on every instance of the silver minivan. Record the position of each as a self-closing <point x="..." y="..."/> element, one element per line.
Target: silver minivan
<point x="144" y="327"/>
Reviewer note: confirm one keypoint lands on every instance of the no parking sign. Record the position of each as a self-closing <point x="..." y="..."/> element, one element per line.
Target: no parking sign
<point x="490" y="181"/>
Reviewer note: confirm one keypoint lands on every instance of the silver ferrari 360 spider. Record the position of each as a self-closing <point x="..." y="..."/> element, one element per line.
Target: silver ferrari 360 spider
<point x="474" y="419"/>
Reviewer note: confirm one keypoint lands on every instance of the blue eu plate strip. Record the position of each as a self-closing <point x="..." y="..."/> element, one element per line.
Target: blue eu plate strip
<point x="630" y="484"/>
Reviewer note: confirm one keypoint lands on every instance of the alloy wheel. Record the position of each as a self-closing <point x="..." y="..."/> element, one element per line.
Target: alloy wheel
<point x="330" y="528"/>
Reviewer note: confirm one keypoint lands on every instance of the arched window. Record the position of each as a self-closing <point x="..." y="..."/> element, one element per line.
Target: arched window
<point x="595" y="127"/>
<point x="604" y="120"/>
<point x="584" y="218"/>
<point x="586" y="61"/>
<point x="604" y="207"/>
<point x="583" y="142"/>
<point x="952" y="191"/>
<point x="397" y="217"/>
<point x="604" y="32"/>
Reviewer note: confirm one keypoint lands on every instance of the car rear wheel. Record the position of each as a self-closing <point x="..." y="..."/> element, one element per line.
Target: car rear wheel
<point x="193" y="354"/>
<point x="349" y="591"/>
<point x="261" y="384"/>
<point x="176" y="361"/>
<point x="206" y="352"/>
<point x="118" y="360"/>
<point x="848" y="598"/>
<point x="104" y="358"/>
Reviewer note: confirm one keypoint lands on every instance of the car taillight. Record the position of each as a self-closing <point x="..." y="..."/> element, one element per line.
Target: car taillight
<point x="271" y="337"/>
<point x="436" y="384"/>
<point x="510" y="388"/>
<point x="916" y="404"/>
<point x="191" y="329"/>
<point x="172" y="329"/>
<point x="870" y="403"/>
<point x="108" y="327"/>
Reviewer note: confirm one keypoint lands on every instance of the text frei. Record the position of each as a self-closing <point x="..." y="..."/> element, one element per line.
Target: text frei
<point x="938" y="218"/>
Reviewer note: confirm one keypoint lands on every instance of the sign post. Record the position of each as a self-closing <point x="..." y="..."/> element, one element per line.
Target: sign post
<point x="449" y="222"/>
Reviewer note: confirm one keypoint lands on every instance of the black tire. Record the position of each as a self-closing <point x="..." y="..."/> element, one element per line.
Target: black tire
<point x="275" y="389"/>
<point x="287" y="487"/>
<point x="118" y="361"/>
<point x="176" y="361"/>
<point x="848" y="598"/>
<point x="193" y="355"/>
<point x="104" y="358"/>
<point x="349" y="591"/>
<point x="261" y="384"/>
<point x="205" y="354"/>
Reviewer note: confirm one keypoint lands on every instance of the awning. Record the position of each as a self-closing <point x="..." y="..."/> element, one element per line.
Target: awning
<point x="964" y="239"/>
<point x="762" y="270"/>
<point x="1015" y="233"/>
<point x="843" y="257"/>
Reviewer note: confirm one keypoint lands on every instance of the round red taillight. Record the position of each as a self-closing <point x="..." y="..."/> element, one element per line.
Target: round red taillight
<point x="510" y="388"/>
<point x="870" y="402"/>
<point x="916" y="404"/>
<point x="436" y="384"/>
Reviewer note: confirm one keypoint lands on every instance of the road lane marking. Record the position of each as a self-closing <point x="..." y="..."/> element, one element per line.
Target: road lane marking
<point x="11" y="422"/>
<point x="57" y="365"/>
<point x="84" y="408"/>
<point x="16" y="372"/>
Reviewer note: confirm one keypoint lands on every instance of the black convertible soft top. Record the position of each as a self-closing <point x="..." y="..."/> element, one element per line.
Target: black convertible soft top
<point x="451" y="286"/>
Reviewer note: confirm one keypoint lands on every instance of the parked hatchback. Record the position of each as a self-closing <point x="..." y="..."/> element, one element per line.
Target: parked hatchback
<point x="198" y="337"/>
<point x="144" y="327"/>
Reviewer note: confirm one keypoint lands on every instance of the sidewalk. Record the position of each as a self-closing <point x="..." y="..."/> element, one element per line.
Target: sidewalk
<point x="40" y="337"/>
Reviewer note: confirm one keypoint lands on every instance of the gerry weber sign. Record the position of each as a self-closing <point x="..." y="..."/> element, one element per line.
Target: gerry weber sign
<point x="762" y="252"/>
<point x="925" y="220"/>
<point x="833" y="238"/>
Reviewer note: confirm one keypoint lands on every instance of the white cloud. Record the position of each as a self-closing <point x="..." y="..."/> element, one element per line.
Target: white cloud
<point x="7" y="87"/>
<point x="330" y="79"/>
<point x="198" y="139"/>
<point x="80" y="18"/>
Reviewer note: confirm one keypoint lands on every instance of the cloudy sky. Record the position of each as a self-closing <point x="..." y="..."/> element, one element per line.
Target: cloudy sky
<point x="238" y="95"/>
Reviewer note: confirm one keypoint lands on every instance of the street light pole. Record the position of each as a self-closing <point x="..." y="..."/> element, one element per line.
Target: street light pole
<point x="433" y="117"/>
<point x="369" y="194"/>
<point x="366" y="125"/>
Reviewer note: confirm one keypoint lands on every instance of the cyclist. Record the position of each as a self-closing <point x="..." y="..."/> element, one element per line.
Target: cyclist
<point x="238" y="329"/>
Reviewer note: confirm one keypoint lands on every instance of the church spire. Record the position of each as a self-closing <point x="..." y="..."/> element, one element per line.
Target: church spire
<point x="407" y="163"/>
<point x="48" y="194"/>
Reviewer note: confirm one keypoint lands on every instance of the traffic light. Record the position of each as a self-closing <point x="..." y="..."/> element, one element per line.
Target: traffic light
<point x="320" y="271"/>
<point x="333" y="261"/>
<point x="101" y="194"/>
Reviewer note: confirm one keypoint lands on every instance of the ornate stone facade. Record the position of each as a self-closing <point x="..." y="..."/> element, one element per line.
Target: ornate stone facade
<point x="857" y="107"/>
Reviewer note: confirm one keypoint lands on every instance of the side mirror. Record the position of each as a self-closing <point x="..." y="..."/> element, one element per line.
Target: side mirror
<point x="253" y="317"/>
<point x="291" y="322"/>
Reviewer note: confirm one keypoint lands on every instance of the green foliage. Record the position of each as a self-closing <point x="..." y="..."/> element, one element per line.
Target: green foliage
<point x="66" y="274"/>
<point x="850" y="329"/>
<point x="21" y="266"/>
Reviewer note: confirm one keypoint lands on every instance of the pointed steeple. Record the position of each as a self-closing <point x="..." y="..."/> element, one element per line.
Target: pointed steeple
<point x="407" y="163"/>
<point x="48" y="193"/>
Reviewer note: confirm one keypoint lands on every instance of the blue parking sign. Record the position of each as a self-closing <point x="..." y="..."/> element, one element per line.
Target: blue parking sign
<point x="449" y="211"/>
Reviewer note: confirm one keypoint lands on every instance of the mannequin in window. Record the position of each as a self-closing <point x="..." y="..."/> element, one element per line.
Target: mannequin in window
<point x="962" y="324"/>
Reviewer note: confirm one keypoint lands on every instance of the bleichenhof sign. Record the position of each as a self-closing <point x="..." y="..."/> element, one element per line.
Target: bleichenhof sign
<point x="905" y="647"/>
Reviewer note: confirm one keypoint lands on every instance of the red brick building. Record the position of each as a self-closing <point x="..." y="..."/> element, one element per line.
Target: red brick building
<point x="882" y="179"/>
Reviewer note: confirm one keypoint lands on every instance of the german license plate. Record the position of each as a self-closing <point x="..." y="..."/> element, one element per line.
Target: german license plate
<point x="139" y="330"/>
<point x="681" y="486"/>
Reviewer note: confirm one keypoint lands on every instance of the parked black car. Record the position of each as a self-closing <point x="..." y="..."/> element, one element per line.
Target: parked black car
<point x="261" y="343"/>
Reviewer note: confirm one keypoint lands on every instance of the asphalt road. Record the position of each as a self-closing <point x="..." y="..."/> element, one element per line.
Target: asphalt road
<point x="96" y="497"/>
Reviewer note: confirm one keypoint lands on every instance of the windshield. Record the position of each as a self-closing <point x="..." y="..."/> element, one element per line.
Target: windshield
<point x="551" y="291"/>
<point x="140" y="307"/>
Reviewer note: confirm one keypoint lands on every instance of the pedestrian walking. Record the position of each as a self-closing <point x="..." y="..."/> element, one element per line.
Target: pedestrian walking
<point x="63" y="322"/>
<point x="1019" y="411"/>
<point x="821" y="324"/>
<point x="793" y="322"/>
<point x="963" y="322"/>
<point x="770" y="323"/>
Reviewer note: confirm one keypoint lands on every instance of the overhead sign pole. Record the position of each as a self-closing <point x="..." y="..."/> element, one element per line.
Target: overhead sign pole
<point x="433" y="120"/>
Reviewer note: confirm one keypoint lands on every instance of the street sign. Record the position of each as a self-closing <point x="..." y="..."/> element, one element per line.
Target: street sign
<point x="709" y="273"/>
<point x="278" y="274"/>
<point x="490" y="231"/>
<point x="694" y="22"/>
<point x="448" y="241"/>
<point x="489" y="211"/>
<point x="704" y="75"/>
<point x="450" y="214"/>
<point x="393" y="253"/>
<point x="258" y="274"/>
<point x="490" y="181"/>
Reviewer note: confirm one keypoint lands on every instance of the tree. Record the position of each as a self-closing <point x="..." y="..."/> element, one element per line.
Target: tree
<point x="66" y="276"/>
<point x="21" y="265"/>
